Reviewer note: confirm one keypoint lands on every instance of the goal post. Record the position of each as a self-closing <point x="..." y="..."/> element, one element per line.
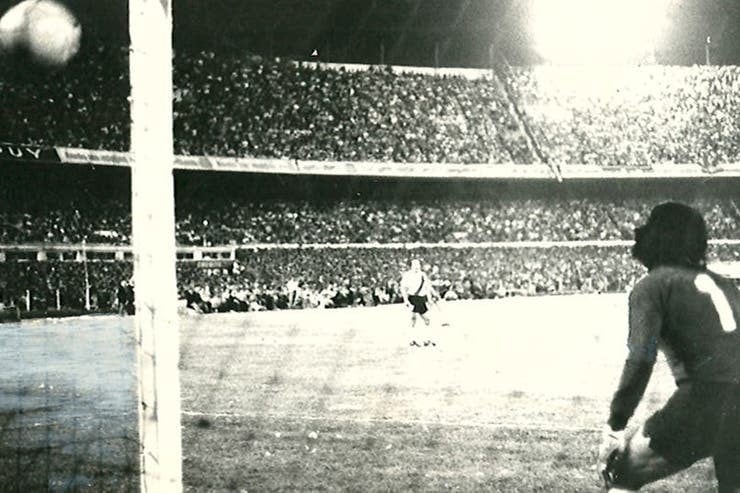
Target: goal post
<point x="153" y="234"/>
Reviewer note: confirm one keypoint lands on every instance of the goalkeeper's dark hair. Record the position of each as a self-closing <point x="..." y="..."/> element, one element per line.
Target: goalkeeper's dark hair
<point x="675" y="234"/>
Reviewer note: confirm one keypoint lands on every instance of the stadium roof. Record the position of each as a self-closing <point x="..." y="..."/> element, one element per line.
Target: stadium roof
<point x="407" y="30"/>
<point x="399" y="31"/>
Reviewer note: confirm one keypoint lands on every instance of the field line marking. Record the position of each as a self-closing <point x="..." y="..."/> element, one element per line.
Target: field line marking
<point x="496" y="425"/>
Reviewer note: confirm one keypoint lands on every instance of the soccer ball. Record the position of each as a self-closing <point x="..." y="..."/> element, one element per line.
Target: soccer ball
<point x="44" y="29"/>
<point x="13" y="27"/>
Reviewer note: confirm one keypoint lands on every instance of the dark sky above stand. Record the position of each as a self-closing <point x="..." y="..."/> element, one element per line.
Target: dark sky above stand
<point x="407" y="30"/>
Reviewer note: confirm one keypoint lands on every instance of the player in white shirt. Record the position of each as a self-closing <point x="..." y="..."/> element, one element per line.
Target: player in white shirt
<point x="417" y="292"/>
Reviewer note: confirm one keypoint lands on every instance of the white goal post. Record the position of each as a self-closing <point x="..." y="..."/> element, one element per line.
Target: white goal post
<point x="153" y="235"/>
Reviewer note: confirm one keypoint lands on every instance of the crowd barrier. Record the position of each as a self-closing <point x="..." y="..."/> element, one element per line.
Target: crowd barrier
<point x="92" y="157"/>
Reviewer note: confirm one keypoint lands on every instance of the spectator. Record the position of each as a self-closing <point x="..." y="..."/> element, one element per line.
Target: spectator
<point x="234" y="221"/>
<point x="229" y="105"/>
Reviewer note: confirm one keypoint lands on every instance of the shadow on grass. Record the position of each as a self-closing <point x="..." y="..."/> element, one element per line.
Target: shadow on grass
<point x="63" y="456"/>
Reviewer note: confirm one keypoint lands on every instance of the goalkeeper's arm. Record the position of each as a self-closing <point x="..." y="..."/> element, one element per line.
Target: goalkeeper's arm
<point x="634" y="380"/>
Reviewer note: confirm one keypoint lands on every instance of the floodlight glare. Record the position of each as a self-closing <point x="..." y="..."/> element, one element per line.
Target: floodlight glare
<point x="597" y="31"/>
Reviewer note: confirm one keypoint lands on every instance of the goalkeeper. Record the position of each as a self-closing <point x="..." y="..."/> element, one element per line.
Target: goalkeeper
<point x="691" y="314"/>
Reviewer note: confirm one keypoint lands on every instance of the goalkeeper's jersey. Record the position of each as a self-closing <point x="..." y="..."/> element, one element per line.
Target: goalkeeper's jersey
<point x="692" y="316"/>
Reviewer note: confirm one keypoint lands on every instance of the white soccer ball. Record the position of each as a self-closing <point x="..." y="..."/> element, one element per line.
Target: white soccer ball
<point x="45" y="29"/>
<point x="13" y="27"/>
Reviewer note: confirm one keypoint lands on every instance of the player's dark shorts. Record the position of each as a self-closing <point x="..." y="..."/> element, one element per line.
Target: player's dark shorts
<point x="701" y="419"/>
<point x="419" y="304"/>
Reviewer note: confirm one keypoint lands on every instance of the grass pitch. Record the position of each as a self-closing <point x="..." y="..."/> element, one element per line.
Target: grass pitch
<point x="68" y="406"/>
<point x="511" y="398"/>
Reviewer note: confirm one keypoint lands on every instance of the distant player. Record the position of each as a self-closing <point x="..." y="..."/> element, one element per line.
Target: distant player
<point x="691" y="314"/>
<point x="417" y="292"/>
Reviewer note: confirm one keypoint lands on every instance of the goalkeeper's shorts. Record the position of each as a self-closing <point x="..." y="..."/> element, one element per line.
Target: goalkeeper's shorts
<point x="701" y="419"/>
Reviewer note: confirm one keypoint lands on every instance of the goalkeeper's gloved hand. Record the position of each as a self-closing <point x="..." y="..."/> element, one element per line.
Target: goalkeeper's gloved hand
<point x="612" y="445"/>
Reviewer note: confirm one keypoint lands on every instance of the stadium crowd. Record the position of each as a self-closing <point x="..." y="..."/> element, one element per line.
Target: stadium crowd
<point x="229" y="105"/>
<point x="223" y="222"/>
<point x="84" y="106"/>
<point x="266" y="279"/>
<point x="431" y="221"/>
<point x="69" y="223"/>
<point x="238" y="106"/>
<point x="632" y="116"/>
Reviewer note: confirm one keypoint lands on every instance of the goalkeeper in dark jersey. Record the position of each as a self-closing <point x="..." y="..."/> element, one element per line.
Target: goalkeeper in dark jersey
<point x="691" y="314"/>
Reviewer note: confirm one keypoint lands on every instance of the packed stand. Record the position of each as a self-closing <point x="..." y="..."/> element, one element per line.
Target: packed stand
<point x="85" y="105"/>
<point x="61" y="284"/>
<point x="235" y="105"/>
<point x="269" y="279"/>
<point x="233" y="221"/>
<point x="432" y="221"/>
<point x="226" y="106"/>
<point x="68" y="223"/>
<point x="632" y="116"/>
